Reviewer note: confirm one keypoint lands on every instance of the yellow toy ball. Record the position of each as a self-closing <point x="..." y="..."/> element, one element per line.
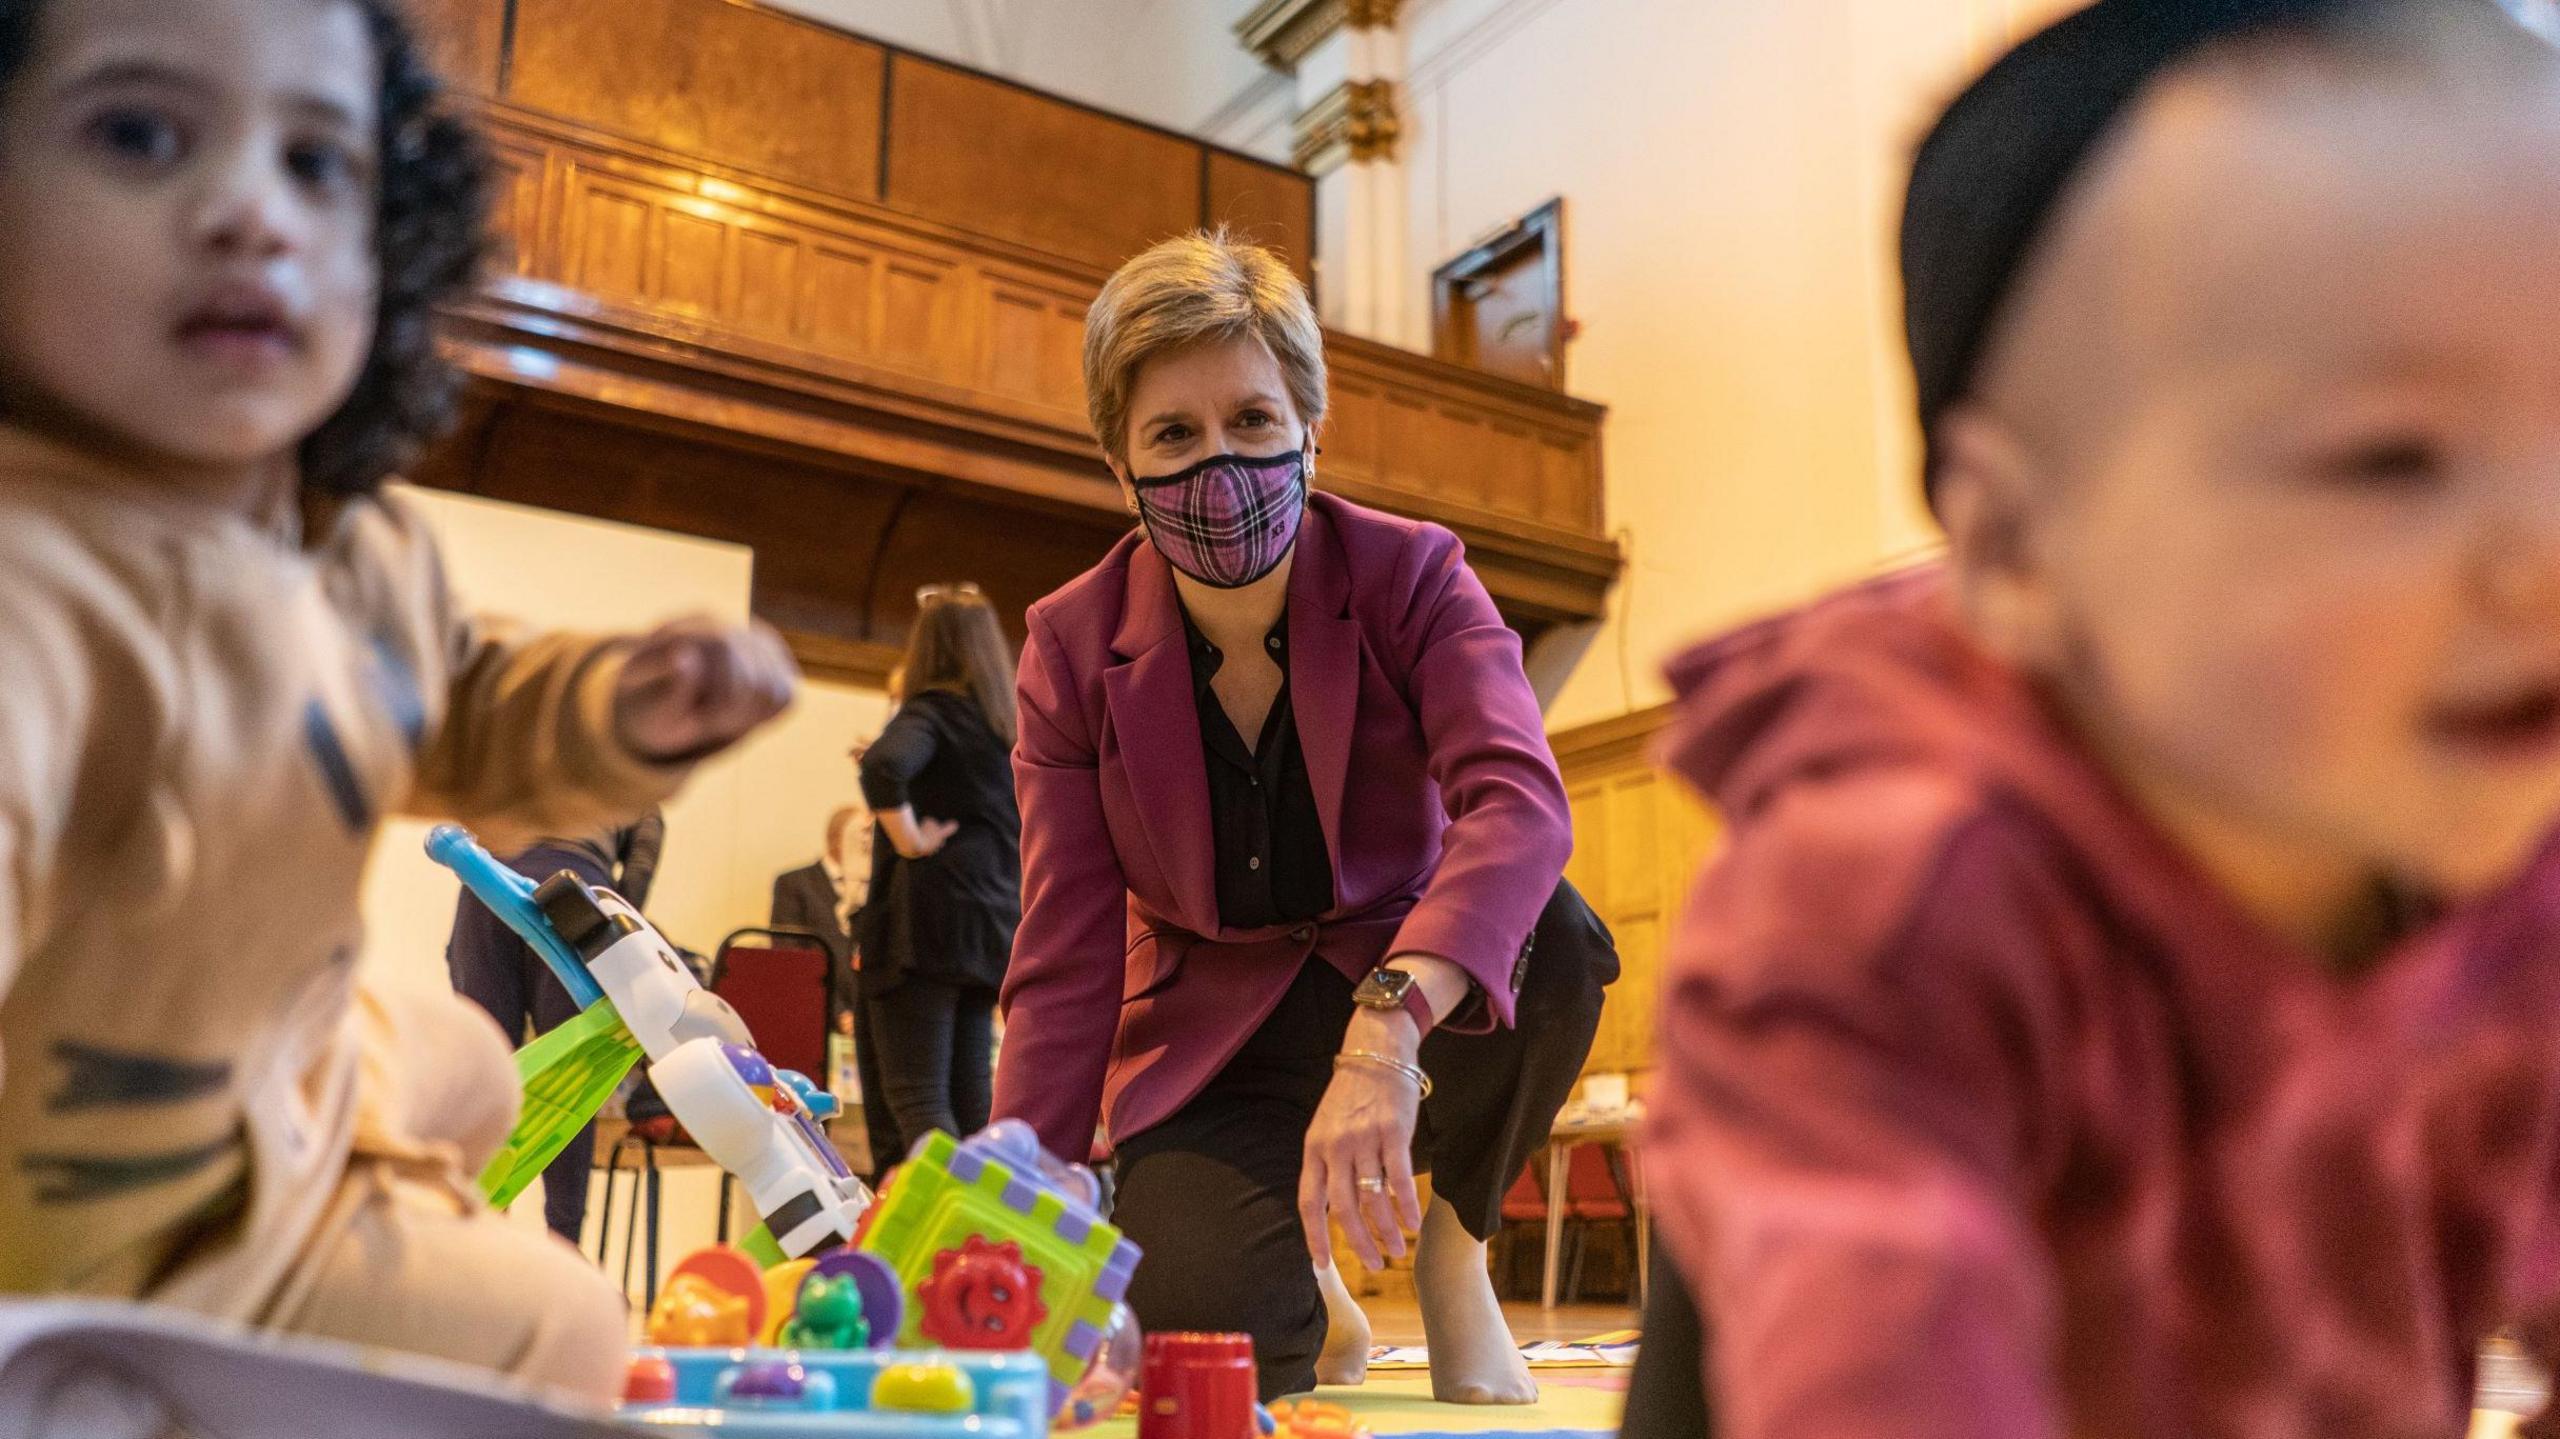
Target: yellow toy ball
<point x="923" y="1389"/>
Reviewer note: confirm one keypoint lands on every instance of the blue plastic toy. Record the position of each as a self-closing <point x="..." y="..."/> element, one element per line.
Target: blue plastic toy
<point x="844" y="1394"/>
<point x="639" y="1001"/>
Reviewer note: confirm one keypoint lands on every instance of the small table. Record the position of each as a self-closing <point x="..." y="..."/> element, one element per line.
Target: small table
<point x="1567" y="1136"/>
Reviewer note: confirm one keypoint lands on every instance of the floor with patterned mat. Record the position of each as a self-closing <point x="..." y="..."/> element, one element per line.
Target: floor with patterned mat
<point x="1571" y="1405"/>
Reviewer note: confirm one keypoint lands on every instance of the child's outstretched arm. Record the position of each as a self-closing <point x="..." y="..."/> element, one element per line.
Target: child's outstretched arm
<point x="552" y="734"/>
<point x="1841" y="1152"/>
<point x="559" y="733"/>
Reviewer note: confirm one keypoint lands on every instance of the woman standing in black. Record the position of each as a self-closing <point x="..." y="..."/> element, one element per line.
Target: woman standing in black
<point x="946" y="885"/>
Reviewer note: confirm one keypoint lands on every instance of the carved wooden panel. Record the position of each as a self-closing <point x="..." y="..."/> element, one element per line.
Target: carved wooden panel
<point x="976" y="152"/>
<point x="854" y="331"/>
<point x="1406" y="426"/>
<point x="642" y="234"/>
<point x="517" y="215"/>
<point x="1639" y="839"/>
<point x="464" y="39"/>
<point x="733" y="84"/>
<point x="1263" y="203"/>
<point x="1034" y="345"/>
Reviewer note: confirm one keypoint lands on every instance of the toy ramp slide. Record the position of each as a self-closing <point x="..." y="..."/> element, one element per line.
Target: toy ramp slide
<point x="120" y="1371"/>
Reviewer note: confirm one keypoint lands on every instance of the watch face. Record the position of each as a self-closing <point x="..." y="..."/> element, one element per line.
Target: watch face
<point x="1383" y="989"/>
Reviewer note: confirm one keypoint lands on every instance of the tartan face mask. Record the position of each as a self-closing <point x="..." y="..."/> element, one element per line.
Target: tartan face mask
<point x="1228" y="520"/>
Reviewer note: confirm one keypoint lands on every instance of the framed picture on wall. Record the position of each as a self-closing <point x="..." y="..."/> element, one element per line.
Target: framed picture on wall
<point x="1500" y="306"/>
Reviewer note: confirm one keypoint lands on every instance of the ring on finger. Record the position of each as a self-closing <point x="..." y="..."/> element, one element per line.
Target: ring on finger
<point x="1371" y="1183"/>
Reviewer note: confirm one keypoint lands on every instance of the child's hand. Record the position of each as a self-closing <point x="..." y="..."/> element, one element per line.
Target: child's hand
<point x="696" y="686"/>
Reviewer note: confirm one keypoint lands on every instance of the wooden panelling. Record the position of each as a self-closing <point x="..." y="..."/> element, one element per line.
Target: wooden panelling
<point x="681" y="342"/>
<point x="1404" y="425"/>
<point x="464" y="39"/>
<point x="1266" y="204"/>
<point x="1639" y="838"/>
<point x="742" y="85"/>
<point x="1034" y="345"/>
<point x="986" y="156"/>
<point x="517" y="214"/>
<point x="731" y="84"/>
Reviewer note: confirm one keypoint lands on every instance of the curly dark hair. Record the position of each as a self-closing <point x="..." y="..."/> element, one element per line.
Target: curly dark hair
<point x="430" y="234"/>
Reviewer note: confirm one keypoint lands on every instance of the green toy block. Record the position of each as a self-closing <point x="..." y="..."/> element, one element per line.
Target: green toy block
<point x="568" y="1075"/>
<point x="956" y="1220"/>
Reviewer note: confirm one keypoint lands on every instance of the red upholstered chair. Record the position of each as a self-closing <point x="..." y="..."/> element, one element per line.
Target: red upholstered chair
<point x="1524" y="1212"/>
<point x="1596" y="1192"/>
<point x="780" y="988"/>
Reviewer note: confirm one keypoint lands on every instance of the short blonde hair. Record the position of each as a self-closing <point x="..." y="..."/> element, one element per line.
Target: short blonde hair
<point x="1200" y="287"/>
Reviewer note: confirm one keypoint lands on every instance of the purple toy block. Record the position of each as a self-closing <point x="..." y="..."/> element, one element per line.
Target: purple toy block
<point x="1112" y="1284"/>
<point x="1082" y="1340"/>
<point x="965" y="1166"/>
<point x="1018" y="1196"/>
<point x="1073" y="1226"/>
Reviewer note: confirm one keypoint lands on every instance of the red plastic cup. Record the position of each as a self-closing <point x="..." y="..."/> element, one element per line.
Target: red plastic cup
<point x="1197" y="1386"/>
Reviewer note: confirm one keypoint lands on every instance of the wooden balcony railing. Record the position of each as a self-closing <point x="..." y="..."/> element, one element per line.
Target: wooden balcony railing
<point x="752" y="254"/>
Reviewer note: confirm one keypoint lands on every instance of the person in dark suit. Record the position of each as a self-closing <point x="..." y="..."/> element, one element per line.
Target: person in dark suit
<point x="1293" y="922"/>
<point x="823" y="899"/>
<point x="494" y="969"/>
<point x="937" y="930"/>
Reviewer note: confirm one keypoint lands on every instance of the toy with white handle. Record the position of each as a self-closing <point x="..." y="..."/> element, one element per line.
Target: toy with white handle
<point x="758" y="1123"/>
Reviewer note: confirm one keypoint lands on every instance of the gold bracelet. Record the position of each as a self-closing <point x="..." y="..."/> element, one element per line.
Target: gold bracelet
<point x="1413" y="1072"/>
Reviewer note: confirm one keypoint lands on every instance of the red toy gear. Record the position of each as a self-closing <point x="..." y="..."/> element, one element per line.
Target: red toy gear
<point x="981" y="1296"/>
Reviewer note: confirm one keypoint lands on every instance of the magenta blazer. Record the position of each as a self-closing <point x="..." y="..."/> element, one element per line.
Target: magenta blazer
<point x="1439" y="796"/>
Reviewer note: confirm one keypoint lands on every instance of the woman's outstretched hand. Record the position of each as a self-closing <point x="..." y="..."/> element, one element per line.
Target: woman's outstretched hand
<point x="1359" y="1155"/>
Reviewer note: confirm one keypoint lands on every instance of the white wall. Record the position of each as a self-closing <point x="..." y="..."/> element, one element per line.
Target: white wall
<point x="1731" y="175"/>
<point x="1173" y="63"/>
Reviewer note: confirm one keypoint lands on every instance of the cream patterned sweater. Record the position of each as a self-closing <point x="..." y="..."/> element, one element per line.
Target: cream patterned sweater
<point x="202" y="719"/>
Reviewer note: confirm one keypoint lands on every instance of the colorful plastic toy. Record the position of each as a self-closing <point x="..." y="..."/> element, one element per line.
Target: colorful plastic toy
<point x="999" y="1246"/>
<point x="1197" y="1386"/>
<point x="1311" y="1419"/>
<point x="715" y="1297"/>
<point x="638" y="999"/>
<point x="884" y="1302"/>
<point x="828" y="1316"/>
<point x="693" y="1312"/>
<point x="981" y="1296"/>
<point x="650" y="1381"/>
<point x="923" y="1389"/>
<point x="781" y="1297"/>
<point x="1109" y="1388"/>
<point x="840" y="1394"/>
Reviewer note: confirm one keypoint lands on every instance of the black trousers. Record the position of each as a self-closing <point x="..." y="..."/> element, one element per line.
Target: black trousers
<point x="879" y="1121"/>
<point x="936" y="1046"/>
<point x="1211" y="1194"/>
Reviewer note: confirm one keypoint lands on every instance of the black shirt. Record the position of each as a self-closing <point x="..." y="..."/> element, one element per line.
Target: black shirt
<point x="1272" y="864"/>
<point x="950" y="915"/>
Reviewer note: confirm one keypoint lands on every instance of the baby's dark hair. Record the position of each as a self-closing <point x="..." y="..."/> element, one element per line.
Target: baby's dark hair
<point x="430" y="233"/>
